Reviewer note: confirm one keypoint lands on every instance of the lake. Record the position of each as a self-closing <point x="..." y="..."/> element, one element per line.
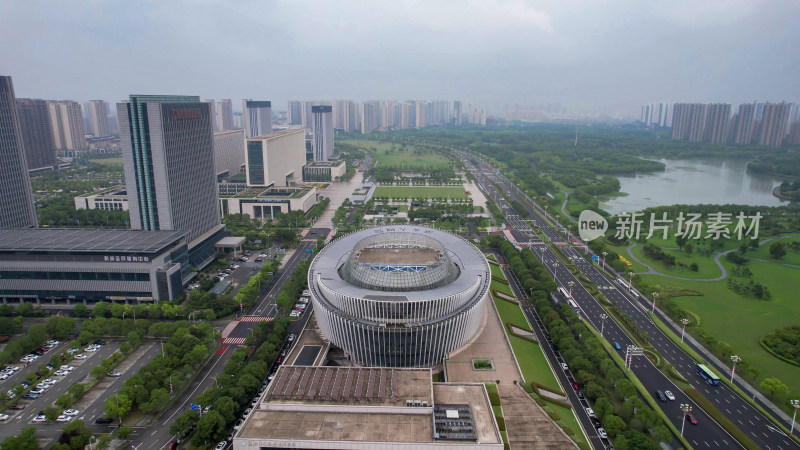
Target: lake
<point x="693" y="182"/>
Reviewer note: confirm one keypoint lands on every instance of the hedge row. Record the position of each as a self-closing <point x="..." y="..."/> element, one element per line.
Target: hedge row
<point x="712" y="411"/>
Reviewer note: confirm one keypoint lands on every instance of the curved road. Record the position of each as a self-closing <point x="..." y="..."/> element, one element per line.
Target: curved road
<point x="651" y="271"/>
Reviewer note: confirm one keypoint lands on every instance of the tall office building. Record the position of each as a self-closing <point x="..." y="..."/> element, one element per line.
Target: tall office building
<point x="66" y="120"/>
<point x="257" y="117"/>
<point x="457" y="112"/>
<point x="322" y="132"/>
<point x="656" y="115"/>
<point x="37" y="135"/>
<point x="295" y="112"/>
<point x="224" y="115"/>
<point x="718" y="116"/>
<point x="774" y="120"/>
<point x="743" y="124"/>
<point x="276" y="159"/>
<point x="794" y="133"/>
<point x="370" y="116"/>
<point x="213" y="113"/>
<point x="229" y="159"/>
<point x="16" y="197"/>
<point x="98" y="117"/>
<point x="345" y="114"/>
<point x="168" y="154"/>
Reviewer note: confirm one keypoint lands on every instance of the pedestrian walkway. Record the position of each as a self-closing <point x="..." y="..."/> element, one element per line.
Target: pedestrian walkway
<point x="229" y="329"/>
<point x="254" y="319"/>
<point x="233" y="341"/>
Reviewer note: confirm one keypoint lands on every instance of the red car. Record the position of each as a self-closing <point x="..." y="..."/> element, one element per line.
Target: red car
<point x="691" y="418"/>
<point x="575" y="386"/>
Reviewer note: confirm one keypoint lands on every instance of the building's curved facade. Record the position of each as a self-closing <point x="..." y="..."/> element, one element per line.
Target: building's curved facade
<point x="399" y="296"/>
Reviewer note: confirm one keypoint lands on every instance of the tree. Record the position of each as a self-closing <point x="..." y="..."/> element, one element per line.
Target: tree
<point x="80" y="310"/>
<point x="210" y="428"/>
<point x="613" y="424"/>
<point x="77" y="390"/>
<point x="602" y="407"/>
<point x="775" y="387"/>
<point x="227" y="408"/>
<point x="662" y="433"/>
<point x="625" y="389"/>
<point x="124" y="432"/>
<point x="134" y="339"/>
<point x="64" y="400"/>
<point x="159" y="398"/>
<point x="777" y="250"/>
<point x="98" y="372"/>
<point x="52" y="412"/>
<point x="76" y="434"/>
<point x="118" y="405"/>
<point x="26" y="440"/>
<point x="185" y="421"/>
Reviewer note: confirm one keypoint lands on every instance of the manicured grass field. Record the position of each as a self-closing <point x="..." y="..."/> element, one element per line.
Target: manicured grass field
<point x="402" y="159"/>
<point x="742" y="321"/>
<point x="419" y="192"/>
<point x="532" y="362"/>
<point x="706" y="266"/>
<point x="108" y="161"/>
<point x="497" y="271"/>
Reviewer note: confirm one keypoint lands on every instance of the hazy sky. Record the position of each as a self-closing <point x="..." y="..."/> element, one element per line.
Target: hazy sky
<point x="608" y="56"/>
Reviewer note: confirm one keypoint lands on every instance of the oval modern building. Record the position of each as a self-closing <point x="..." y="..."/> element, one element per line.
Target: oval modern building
<point x="399" y="296"/>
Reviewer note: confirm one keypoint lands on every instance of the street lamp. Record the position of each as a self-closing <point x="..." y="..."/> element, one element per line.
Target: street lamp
<point x="685" y="322"/>
<point x="216" y="382"/>
<point x="570" y="284"/>
<point x="735" y="359"/>
<point x="796" y="405"/>
<point x="686" y="408"/>
<point x="555" y="272"/>
<point x="655" y="294"/>
<point x="603" y="318"/>
<point x="630" y="282"/>
<point x="604" y="259"/>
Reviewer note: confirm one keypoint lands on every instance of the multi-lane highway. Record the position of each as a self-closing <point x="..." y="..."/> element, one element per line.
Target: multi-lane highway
<point x="706" y="433"/>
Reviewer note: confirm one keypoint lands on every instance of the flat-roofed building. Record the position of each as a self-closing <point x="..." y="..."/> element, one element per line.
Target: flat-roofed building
<point x="257" y="117"/>
<point x="324" y="171"/>
<point x="65" y="266"/>
<point x="111" y="199"/>
<point x="276" y="159"/>
<point x="368" y="408"/>
<point x="261" y="203"/>
<point x="322" y="132"/>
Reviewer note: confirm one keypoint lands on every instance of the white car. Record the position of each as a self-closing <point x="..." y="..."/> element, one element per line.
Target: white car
<point x="3" y="376"/>
<point x="66" y="368"/>
<point x="41" y="418"/>
<point x="294" y="314"/>
<point x="291" y="337"/>
<point x="72" y="412"/>
<point x="221" y="445"/>
<point x="81" y="356"/>
<point x="64" y="418"/>
<point x="590" y="412"/>
<point x="73" y="350"/>
<point x="564" y="366"/>
<point x="61" y="373"/>
<point x="3" y="417"/>
<point x="49" y="381"/>
<point x="90" y="349"/>
<point x="238" y="424"/>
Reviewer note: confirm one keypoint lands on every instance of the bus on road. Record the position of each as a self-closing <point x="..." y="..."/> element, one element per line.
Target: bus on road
<point x="710" y="377"/>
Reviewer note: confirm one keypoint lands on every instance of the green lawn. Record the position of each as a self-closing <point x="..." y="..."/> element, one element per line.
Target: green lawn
<point x="742" y="321"/>
<point x="497" y="271"/>
<point x="533" y="364"/>
<point x="108" y="161"/>
<point x="706" y="266"/>
<point x="419" y="192"/>
<point x="393" y="155"/>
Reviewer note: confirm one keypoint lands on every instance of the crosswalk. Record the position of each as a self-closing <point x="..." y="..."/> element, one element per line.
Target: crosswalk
<point x="254" y="319"/>
<point x="233" y="341"/>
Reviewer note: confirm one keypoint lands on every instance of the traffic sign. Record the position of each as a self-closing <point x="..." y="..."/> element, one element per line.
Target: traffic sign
<point x="595" y="258"/>
<point x="194" y="407"/>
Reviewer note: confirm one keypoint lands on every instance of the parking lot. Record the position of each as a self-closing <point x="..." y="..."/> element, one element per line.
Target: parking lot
<point x="26" y="411"/>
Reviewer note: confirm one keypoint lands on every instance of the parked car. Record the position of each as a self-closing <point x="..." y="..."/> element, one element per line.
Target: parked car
<point x="72" y="412"/>
<point x="30" y="396"/>
<point x="595" y="422"/>
<point x="64" y="418"/>
<point x="669" y="395"/>
<point x="590" y="412"/>
<point x="103" y="420"/>
<point x="221" y="445"/>
<point x="4" y="417"/>
<point x="291" y="337"/>
<point x="81" y="356"/>
<point x="114" y="373"/>
<point x="238" y="424"/>
<point x="602" y="433"/>
<point x="575" y="385"/>
<point x="660" y="395"/>
<point x="564" y="366"/>
<point x="40" y="418"/>
<point x="579" y="393"/>
<point x="17" y="407"/>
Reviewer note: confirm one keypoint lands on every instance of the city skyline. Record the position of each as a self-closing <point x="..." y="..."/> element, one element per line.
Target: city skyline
<point x="604" y="58"/>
